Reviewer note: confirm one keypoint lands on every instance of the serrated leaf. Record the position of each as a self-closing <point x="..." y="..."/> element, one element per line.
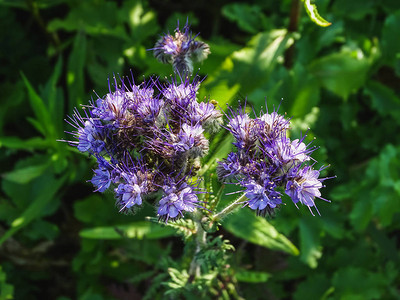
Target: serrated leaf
<point x="246" y="225"/>
<point x="137" y="230"/>
<point x="312" y="12"/>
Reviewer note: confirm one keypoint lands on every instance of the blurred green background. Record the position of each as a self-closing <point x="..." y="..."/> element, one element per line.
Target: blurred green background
<point x="58" y="239"/>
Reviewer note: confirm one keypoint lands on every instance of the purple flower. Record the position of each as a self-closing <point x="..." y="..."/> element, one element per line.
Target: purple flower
<point x="181" y="50"/>
<point x="243" y="129"/>
<point x="131" y="192"/>
<point x="180" y="96"/>
<point x="205" y="114"/>
<point x="114" y="106"/>
<point x="229" y="168"/>
<point x="262" y="197"/>
<point x="286" y="153"/>
<point x="303" y="186"/>
<point x="101" y="180"/>
<point x="267" y="159"/>
<point x="178" y="198"/>
<point x="191" y="138"/>
<point x="90" y="137"/>
<point x="273" y="125"/>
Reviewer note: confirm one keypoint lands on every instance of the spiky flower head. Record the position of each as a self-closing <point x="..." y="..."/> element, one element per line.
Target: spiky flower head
<point x="267" y="161"/>
<point x="142" y="134"/>
<point x="181" y="50"/>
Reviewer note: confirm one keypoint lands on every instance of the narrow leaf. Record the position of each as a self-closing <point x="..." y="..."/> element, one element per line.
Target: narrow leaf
<point x="314" y="15"/>
<point x="137" y="230"/>
<point x="38" y="106"/>
<point x="35" y="209"/>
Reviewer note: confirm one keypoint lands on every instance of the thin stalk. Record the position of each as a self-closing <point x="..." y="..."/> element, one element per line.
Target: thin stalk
<point x="231" y="207"/>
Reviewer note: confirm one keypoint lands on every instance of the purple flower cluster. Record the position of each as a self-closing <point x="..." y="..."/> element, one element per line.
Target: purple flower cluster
<point x="148" y="140"/>
<point x="267" y="162"/>
<point x="181" y="50"/>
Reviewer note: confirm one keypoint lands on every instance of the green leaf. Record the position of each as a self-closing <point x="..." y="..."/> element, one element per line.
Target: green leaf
<point x="251" y="66"/>
<point x="43" y="117"/>
<point x="312" y="12"/>
<point x="48" y="190"/>
<point x="391" y="44"/>
<point x="6" y="290"/>
<point x="14" y="142"/>
<point x="26" y="174"/>
<point x="246" y="225"/>
<point x="384" y="99"/>
<point x="358" y="283"/>
<point x="341" y="73"/>
<point x="310" y="247"/>
<point x="313" y="287"/>
<point x="137" y="230"/>
<point x="249" y="18"/>
<point x="252" y="276"/>
<point x="75" y="76"/>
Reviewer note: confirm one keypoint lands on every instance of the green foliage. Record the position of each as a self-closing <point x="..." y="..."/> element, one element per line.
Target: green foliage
<point x="312" y="12"/>
<point x="6" y="290"/>
<point x="61" y="241"/>
<point x="246" y="225"/>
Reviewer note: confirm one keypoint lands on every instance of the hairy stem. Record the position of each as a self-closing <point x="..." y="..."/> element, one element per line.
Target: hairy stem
<point x="201" y="234"/>
<point x="231" y="207"/>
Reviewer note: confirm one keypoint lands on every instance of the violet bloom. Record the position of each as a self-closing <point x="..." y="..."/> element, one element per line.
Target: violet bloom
<point x="229" y="168"/>
<point x="90" y="137"/>
<point x="178" y="198"/>
<point x="262" y="197"/>
<point x="181" y="96"/>
<point x="265" y="152"/>
<point x="191" y="139"/>
<point x="243" y="129"/>
<point x="207" y="115"/>
<point x="181" y="50"/>
<point x="101" y="180"/>
<point x="303" y="186"/>
<point x="131" y="192"/>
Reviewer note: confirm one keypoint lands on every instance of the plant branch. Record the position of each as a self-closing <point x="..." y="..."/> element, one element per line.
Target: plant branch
<point x="231" y="207"/>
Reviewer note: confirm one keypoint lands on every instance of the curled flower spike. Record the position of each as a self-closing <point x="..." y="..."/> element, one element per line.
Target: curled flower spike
<point x="266" y="159"/>
<point x="142" y="134"/>
<point x="181" y="50"/>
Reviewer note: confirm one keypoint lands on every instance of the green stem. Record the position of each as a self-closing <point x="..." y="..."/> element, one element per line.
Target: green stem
<point x="201" y="235"/>
<point x="231" y="207"/>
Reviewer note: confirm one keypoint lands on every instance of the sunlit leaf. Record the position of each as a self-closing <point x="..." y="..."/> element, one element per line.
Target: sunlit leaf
<point x="252" y="276"/>
<point x="312" y="11"/>
<point x="341" y="73"/>
<point x="246" y="225"/>
<point x="137" y="230"/>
